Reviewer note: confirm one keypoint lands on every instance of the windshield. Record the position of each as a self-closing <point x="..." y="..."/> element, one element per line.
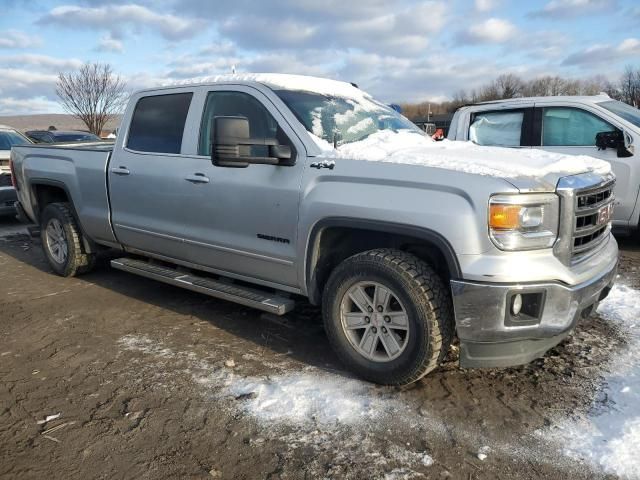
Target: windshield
<point x="623" y="110"/>
<point x="8" y="139"/>
<point x="76" y="137"/>
<point x="345" y="119"/>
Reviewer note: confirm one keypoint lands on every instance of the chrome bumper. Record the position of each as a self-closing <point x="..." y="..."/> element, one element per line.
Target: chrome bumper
<point x="489" y="335"/>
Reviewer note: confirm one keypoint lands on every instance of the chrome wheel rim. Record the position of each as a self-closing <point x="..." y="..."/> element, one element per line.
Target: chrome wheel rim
<point x="374" y="321"/>
<point x="56" y="241"/>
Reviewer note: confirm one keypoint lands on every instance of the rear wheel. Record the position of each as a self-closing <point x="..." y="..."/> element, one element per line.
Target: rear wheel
<point x="388" y="316"/>
<point x="62" y="241"/>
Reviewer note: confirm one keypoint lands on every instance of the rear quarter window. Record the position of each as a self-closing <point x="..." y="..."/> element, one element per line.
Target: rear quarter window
<point x="157" y="124"/>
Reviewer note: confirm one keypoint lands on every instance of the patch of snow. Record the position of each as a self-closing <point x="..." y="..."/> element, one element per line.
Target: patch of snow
<point x="49" y="418"/>
<point x="323" y="86"/>
<point x="402" y="474"/>
<point x="322" y="144"/>
<point x="609" y="436"/>
<point x="316" y="122"/>
<point x="361" y="126"/>
<point x="298" y="398"/>
<point x="483" y="453"/>
<point x="412" y="148"/>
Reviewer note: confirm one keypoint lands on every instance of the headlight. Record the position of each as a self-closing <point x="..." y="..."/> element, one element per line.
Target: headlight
<point x="524" y="221"/>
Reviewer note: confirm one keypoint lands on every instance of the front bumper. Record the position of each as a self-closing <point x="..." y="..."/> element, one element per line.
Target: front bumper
<point x="8" y="199"/>
<point x="490" y="338"/>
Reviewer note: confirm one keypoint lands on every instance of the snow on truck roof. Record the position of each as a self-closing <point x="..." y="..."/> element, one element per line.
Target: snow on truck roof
<point x="323" y="86"/>
<point x="554" y="99"/>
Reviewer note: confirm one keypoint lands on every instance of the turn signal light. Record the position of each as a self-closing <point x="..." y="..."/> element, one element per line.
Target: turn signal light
<point x="505" y="217"/>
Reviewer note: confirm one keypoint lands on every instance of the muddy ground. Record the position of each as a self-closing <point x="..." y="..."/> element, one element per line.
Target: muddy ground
<point x="151" y="381"/>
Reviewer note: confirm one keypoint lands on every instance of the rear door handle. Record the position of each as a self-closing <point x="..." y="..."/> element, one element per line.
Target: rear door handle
<point x="197" y="178"/>
<point x="120" y="170"/>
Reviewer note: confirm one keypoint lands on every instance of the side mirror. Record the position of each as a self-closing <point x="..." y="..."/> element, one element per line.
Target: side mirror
<point x="231" y="145"/>
<point x="614" y="139"/>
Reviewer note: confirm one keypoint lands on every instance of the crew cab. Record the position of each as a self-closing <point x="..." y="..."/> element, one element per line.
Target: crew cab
<point x="596" y="125"/>
<point x="269" y="190"/>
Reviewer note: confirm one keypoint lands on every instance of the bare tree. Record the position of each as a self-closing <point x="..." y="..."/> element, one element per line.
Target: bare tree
<point x="93" y="94"/>
<point x="630" y="86"/>
<point x="627" y="89"/>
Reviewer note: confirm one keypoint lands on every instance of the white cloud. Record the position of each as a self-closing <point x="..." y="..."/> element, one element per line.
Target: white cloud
<point x="395" y="28"/>
<point x="486" y="5"/>
<point x="605" y="53"/>
<point x="42" y="62"/>
<point x="115" y="18"/>
<point x="18" y="39"/>
<point x="110" y="44"/>
<point x="27" y="106"/>
<point x="493" y="30"/>
<point x="572" y="8"/>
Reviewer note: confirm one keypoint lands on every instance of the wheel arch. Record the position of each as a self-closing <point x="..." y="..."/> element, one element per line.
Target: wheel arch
<point x="332" y="240"/>
<point x="44" y="192"/>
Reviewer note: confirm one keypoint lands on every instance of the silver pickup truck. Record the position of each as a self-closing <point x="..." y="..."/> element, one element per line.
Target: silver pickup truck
<point x="263" y="189"/>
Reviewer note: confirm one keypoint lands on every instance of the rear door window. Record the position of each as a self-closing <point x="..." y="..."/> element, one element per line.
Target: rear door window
<point x="158" y="123"/>
<point x="571" y="127"/>
<point x="502" y="128"/>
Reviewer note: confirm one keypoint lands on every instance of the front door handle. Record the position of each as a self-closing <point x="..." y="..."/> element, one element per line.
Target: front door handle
<point x="197" y="178"/>
<point x="120" y="170"/>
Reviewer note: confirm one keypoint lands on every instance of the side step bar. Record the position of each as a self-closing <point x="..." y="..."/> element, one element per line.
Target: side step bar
<point x="248" y="297"/>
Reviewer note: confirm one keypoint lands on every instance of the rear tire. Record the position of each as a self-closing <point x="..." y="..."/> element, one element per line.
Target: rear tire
<point x="388" y="316"/>
<point x="62" y="241"/>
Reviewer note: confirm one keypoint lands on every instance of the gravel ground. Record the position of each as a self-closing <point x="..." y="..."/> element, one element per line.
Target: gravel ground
<point x="110" y="375"/>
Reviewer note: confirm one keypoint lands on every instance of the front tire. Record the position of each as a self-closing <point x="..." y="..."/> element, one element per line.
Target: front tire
<point x="388" y="316"/>
<point x="62" y="241"/>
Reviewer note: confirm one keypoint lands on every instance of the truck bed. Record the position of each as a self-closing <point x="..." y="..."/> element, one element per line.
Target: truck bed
<point x="81" y="169"/>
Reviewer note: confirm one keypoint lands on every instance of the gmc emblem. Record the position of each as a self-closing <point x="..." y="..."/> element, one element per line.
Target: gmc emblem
<point x="604" y="214"/>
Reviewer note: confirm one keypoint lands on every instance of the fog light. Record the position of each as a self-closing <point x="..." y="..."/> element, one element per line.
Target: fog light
<point x="516" y="304"/>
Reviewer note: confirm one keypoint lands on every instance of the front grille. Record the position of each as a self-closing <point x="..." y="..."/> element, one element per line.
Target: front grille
<point x="592" y="219"/>
<point x="5" y="180"/>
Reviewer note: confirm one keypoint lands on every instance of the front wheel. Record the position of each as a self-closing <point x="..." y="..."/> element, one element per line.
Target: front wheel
<point x="62" y="241"/>
<point x="388" y="316"/>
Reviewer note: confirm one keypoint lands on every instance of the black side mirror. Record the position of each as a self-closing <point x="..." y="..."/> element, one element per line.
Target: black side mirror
<point x="231" y="145"/>
<point x="614" y="139"/>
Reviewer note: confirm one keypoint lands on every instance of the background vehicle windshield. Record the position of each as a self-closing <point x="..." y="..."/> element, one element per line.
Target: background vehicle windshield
<point x="623" y="110"/>
<point x="352" y="119"/>
<point x="8" y="139"/>
<point x="76" y="137"/>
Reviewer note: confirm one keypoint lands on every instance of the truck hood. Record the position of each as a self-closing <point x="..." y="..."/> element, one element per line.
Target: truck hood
<point x="526" y="168"/>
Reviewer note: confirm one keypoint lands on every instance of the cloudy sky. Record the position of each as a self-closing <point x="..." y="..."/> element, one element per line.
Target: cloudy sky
<point x="397" y="50"/>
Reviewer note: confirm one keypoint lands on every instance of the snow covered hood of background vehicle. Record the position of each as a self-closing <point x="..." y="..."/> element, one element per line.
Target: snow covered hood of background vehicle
<point x="415" y="149"/>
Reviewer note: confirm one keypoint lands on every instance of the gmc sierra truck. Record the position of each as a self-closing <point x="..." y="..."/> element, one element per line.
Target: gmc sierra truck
<point x="263" y="189"/>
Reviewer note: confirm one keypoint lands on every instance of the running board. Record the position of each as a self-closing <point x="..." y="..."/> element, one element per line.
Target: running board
<point x="248" y="297"/>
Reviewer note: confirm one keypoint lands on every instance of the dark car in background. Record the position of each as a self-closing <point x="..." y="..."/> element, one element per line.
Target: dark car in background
<point x="8" y="138"/>
<point x="61" y="136"/>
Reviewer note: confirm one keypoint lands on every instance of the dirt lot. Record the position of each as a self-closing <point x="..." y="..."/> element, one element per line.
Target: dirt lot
<point x="145" y="380"/>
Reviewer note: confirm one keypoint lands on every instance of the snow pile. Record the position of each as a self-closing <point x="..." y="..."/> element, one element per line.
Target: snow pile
<point x="610" y="437"/>
<point x="322" y="86"/>
<point x="415" y="149"/>
<point x="298" y="398"/>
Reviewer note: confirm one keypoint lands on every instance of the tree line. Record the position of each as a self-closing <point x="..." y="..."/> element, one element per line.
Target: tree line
<point x="509" y="85"/>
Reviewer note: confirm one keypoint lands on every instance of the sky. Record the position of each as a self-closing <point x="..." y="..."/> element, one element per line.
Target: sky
<point x="399" y="51"/>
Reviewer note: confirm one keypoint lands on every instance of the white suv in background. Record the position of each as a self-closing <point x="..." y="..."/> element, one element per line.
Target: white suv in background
<point x="8" y="138"/>
<point x="590" y="125"/>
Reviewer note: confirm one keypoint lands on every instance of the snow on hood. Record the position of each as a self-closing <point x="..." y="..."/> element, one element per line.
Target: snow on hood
<point x="414" y="149"/>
